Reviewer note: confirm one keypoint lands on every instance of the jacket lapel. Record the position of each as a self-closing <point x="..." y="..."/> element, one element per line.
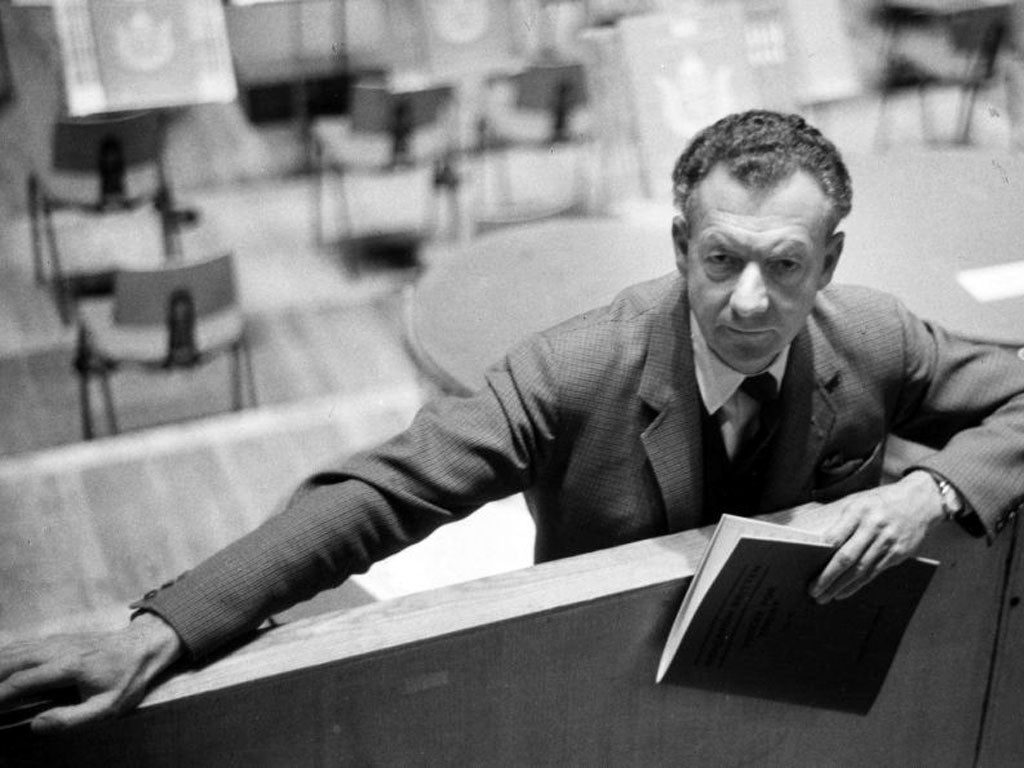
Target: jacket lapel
<point x="807" y="418"/>
<point x="672" y="440"/>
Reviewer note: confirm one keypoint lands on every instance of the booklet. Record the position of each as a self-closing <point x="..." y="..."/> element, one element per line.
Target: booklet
<point x="747" y="624"/>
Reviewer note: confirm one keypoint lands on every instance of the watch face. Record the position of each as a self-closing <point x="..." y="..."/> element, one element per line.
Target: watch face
<point x="460" y="21"/>
<point x="951" y="499"/>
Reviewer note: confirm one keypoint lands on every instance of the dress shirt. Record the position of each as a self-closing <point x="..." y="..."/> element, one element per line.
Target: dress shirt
<point x="720" y="391"/>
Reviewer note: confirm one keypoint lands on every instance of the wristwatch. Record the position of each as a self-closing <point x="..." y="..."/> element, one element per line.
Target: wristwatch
<point x="953" y="507"/>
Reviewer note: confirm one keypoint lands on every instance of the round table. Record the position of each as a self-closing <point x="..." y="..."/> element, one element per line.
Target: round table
<point x="917" y="221"/>
<point x="465" y="313"/>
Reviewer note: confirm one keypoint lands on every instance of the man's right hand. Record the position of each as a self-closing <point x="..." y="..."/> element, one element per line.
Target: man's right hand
<point x="110" y="670"/>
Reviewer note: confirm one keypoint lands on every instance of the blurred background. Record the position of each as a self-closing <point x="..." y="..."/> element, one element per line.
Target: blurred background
<point x="216" y="219"/>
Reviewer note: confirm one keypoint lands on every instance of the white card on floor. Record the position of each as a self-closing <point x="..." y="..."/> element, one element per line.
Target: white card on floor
<point x="1001" y="281"/>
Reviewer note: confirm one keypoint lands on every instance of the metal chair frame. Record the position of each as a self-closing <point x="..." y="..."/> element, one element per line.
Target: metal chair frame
<point x="557" y="89"/>
<point x="377" y="109"/>
<point x="106" y="147"/>
<point x="184" y="296"/>
<point x="979" y="32"/>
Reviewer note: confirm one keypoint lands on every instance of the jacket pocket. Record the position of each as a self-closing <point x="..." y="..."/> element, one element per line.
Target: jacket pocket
<point x="838" y="476"/>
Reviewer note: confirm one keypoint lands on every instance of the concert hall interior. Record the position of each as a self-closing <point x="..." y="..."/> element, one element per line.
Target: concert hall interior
<point x="401" y="189"/>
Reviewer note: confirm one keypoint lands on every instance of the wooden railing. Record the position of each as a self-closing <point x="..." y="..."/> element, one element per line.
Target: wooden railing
<point x="554" y="665"/>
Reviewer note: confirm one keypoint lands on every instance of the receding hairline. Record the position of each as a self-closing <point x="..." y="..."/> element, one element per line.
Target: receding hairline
<point x="761" y="148"/>
<point x="764" y="188"/>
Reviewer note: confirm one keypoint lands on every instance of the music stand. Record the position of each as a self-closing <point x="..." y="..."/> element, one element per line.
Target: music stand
<point x="121" y="57"/>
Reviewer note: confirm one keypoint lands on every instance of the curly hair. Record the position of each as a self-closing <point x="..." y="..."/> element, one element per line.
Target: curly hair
<point x="760" y="148"/>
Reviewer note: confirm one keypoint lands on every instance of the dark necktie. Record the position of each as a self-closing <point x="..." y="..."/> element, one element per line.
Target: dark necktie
<point x="760" y="387"/>
<point x="763" y="389"/>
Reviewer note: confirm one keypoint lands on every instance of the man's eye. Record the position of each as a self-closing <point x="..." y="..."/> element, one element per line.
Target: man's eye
<point x="721" y="261"/>
<point x="784" y="267"/>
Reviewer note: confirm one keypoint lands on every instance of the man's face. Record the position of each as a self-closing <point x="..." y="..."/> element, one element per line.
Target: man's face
<point x="754" y="261"/>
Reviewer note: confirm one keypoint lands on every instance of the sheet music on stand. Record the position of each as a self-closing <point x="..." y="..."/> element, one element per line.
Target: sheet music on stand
<point x="684" y="70"/>
<point x="137" y="54"/>
<point x="469" y="37"/>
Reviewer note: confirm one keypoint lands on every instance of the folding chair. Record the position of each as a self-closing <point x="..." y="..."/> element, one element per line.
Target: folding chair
<point x="977" y="33"/>
<point x="101" y="166"/>
<point x="537" y="108"/>
<point x="162" y="319"/>
<point x="389" y="130"/>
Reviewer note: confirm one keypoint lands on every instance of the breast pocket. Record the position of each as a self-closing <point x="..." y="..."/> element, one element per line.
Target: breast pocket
<point x="839" y="475"/>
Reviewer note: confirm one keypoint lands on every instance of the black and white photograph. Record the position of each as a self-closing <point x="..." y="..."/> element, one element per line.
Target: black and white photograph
<point x="511" y="383"/>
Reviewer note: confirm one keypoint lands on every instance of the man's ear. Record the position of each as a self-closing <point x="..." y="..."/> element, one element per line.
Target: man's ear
<point x="833" y="250"/>
<point x="680" y="240"/>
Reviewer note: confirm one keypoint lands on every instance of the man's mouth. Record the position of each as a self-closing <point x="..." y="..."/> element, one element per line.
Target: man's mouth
<point x="749" y="331"/>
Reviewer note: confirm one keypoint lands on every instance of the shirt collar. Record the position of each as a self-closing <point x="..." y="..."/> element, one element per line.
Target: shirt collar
<point x="716" y="380"/>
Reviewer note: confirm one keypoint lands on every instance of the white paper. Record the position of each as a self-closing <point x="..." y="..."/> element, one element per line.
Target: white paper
<point x="1002" y="281"/>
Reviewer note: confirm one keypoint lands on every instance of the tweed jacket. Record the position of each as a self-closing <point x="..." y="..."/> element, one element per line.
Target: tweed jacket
<point x="598" y="422"/>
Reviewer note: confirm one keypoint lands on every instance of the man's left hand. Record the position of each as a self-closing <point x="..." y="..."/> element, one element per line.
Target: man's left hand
<point x="875" y="530"/>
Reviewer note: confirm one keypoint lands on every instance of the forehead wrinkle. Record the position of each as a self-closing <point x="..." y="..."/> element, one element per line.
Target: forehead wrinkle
<point x="755" y="239"/>
<point x="721" y="198"/>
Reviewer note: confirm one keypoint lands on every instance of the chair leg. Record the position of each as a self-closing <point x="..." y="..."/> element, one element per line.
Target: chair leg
<point x="455" y="217"/>
<point x="582" y="175"/>
<point x="965" y="113"/>
<point x="927" y="126"/>
<point x="250" y="373"/>
<point x="236" y="376"/>
<point x="321" y="168"/>
<point x="85" y="405"/>
<point x="318" y="192"/>
<point x="347" y="225"/>
<point x="241" y="357"/>
<point x="505" y="176"/>
<point x="83" y="366"/>
<point x="35" y="229"/>
<point x="108" y="401"/>
<point x="478" y="203"/>
<point x="61" y="285"/>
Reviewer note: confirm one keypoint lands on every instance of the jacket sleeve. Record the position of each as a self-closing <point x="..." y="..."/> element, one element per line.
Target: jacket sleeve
<point x="966" y="400"/>
<point x="457" y="454"/>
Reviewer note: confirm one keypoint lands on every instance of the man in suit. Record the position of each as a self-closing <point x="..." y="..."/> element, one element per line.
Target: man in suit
<point x="742" y="383"/>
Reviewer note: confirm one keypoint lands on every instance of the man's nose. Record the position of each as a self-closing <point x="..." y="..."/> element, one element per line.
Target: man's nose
<point x="749" y="296"/>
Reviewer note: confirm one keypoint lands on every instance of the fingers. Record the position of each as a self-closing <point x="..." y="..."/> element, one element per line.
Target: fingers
<point x="847" y="562"/>
<point x="875" y="559"/>
<point x="51" y="690"/>
<point x="36" y="690"/>
<point x="34" y="681"/>
<point x="844" y="526"/>
<point x="9" y="670"/>
<point x="17" y="656"/>
<point x="99" y="707"/>
<point x="47" y="680"/>
<point x="872" y="533"/>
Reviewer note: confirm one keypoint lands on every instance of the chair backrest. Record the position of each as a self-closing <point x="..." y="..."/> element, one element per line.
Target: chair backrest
<point x="981" y="32"/>
<point x="550" y="86"/>
<point x="107" y="148"/>
<point x="377" y="108"/>
<point x="557" y="89"/>
<point x="142" y="297"/>
<point x="78" y="142"/>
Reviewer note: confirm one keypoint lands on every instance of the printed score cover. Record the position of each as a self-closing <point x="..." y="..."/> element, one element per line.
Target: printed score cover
<point x="136" y="54"/>
<point x="748" y="626"/>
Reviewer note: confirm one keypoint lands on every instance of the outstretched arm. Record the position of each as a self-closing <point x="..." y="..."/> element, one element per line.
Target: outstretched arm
<point x="110" y="670"/>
